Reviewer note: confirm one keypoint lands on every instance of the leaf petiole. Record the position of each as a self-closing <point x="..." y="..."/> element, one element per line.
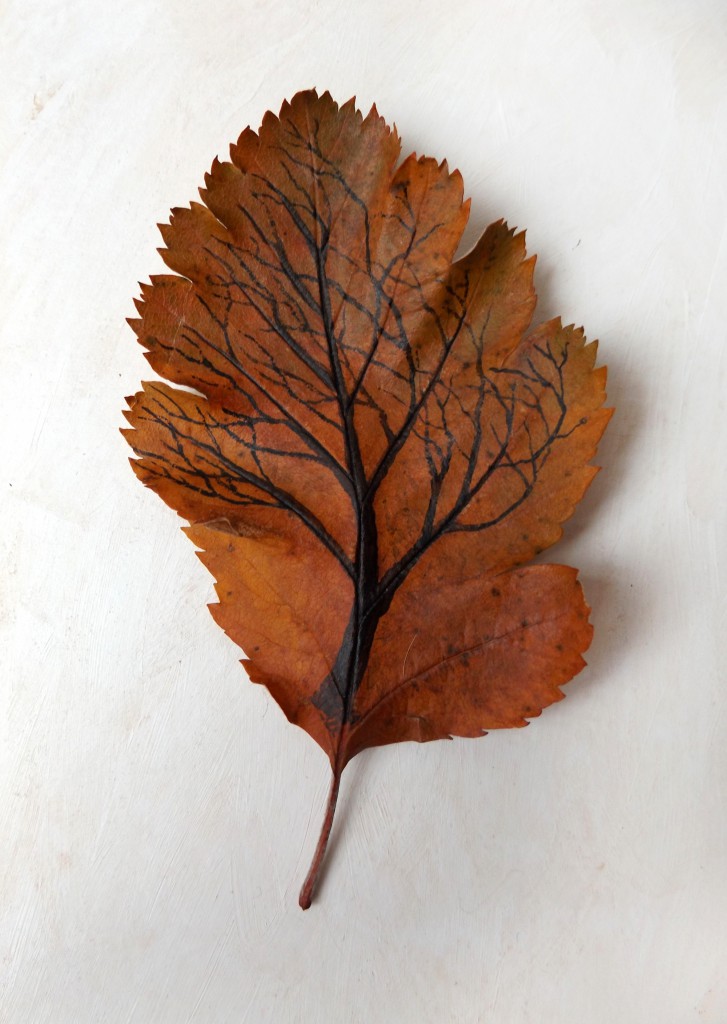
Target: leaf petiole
<point x="306" y="893"/>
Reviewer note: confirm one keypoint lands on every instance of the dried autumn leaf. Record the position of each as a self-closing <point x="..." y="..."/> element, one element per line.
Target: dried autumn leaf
<point x="374" y="443"/>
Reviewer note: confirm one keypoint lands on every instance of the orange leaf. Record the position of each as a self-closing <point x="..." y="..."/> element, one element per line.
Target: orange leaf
<point x="366" y="439"/>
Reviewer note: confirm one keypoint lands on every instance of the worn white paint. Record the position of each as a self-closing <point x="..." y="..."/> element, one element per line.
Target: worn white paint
<point x="157" y="813"/>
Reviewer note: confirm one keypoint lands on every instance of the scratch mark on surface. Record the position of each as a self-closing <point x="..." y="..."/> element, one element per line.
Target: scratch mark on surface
<point x="403" y="667"/>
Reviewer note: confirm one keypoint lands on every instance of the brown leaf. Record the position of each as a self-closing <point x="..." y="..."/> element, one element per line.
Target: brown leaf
<point x="366" y="439"/>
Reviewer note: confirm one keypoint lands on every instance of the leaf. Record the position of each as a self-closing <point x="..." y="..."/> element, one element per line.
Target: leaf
<point x="366" y="438"/>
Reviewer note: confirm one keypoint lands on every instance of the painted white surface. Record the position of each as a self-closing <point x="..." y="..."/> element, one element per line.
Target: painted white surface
<point x="157" y="813"/>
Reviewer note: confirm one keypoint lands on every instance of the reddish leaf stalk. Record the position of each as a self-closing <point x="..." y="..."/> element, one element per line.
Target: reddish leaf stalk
<point x="306" y="893"/>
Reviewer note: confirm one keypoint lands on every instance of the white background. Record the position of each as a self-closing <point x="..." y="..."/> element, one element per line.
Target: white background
<point x="157" y="813"/>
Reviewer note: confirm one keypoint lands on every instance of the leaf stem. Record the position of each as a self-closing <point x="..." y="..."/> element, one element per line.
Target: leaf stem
<point x="306" y="893"/>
